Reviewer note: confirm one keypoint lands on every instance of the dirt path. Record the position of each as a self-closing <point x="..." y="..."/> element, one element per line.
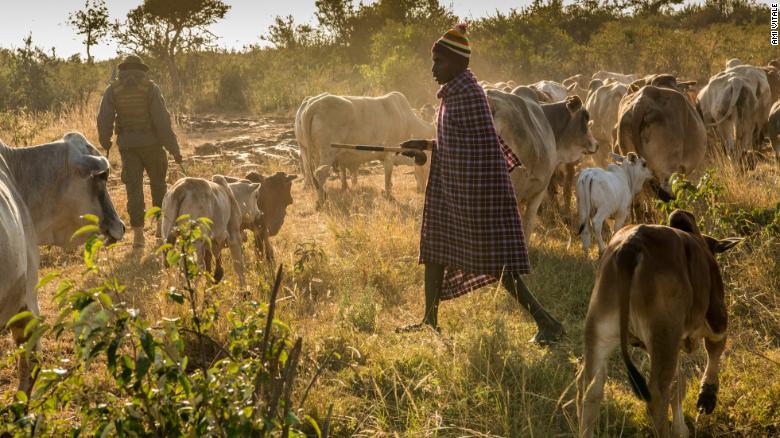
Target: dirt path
<point x="242" y="140"/>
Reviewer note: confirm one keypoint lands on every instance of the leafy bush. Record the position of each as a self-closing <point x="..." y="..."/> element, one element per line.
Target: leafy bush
<point x="147" y="384"/>
<point x="714" y="216"/>
<point x="231" y="94"/>
<point x="33" y="80"/>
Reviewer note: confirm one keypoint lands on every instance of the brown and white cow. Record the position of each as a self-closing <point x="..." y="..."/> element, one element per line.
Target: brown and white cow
<point x="229" y="206"/>
<point x="661" y="124"/>
<point x="660" y="288"/>
<point x="44" y="192"/>
<point x="274" y="196"/>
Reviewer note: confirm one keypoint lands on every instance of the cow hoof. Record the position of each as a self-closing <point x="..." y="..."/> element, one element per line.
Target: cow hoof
<point x="707" y="398"/>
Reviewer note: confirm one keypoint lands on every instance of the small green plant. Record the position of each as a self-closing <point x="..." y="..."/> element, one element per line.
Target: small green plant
<point x="308" y="254"/>
<point x="716" y="217"/>
<point x="129" y="376"/>
<point x="361" y="311"/>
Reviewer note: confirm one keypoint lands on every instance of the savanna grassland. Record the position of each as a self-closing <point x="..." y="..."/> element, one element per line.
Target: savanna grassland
<point x="352" y="277"/>
<point x="350" y="269"/>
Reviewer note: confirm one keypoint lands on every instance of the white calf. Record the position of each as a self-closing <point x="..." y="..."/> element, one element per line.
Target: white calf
<point x="602" y="194"/>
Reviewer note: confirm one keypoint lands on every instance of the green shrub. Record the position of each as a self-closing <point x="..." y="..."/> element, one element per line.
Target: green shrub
<point x="149" y="386"/>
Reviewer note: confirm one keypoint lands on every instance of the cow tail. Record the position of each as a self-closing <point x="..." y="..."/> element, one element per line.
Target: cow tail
<point x="584" y="196"/>
<point x="307" y="147"/>
<point x="234" y="223"/>
<point x="171" y="206"/>
<point x="735" y="93"/>
<point x="627" y="258"/>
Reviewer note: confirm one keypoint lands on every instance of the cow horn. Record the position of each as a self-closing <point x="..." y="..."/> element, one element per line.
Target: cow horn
<point x="91" y="165"/>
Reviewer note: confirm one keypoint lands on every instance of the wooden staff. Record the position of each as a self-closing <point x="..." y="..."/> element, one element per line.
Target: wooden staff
<point x="419" y="156"/>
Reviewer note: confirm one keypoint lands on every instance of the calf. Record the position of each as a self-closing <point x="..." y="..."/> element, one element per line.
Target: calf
<point x="273" y="199"/>
<point x="661" y="288"/>
<point x="603" y="194"/>
<point x="229" y="206"/>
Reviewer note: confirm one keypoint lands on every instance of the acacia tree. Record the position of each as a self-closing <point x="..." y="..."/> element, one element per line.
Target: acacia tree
<point x="92" y="22"/>
<point x="165" y="29"/>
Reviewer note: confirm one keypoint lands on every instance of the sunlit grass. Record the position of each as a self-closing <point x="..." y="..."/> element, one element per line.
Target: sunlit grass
<point x="353" y="277"/>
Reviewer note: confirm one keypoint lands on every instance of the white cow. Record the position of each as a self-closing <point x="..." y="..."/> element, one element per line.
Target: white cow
<point x="44" y="191"/>
<point x="733" y="62"/>
<point x="617" y="77"/>
<point x="542" y="136"/>
<point x="385" y="120"/>
<point x="230" y="206"/>
<point x="554" y="89"/>
<point x="603" y="194"/>
<point x="737" y="102"/>
<point x="304" y="163"/>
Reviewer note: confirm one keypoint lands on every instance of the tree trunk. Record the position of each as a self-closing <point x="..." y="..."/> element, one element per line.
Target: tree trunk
<point x="88" y="43"/>
<point x="174" y="76"/>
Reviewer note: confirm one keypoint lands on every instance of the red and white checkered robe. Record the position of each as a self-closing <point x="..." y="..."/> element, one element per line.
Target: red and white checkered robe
<point x="471" y="224"/>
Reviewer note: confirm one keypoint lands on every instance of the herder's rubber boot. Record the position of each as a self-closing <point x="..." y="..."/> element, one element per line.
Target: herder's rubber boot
<point x="138" y="238"/>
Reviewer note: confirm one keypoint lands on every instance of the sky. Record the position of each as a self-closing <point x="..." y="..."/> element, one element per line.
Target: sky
<point x="243" y="25"/>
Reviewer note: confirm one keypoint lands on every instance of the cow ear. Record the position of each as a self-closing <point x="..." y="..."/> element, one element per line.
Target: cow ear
<point x="291" y="177"/>
<point x="254" y="186"/>
<point x="632" y="157"/>
<point x="573" y="103"/>
<point x="724" y="245"/>
<point x="636" y="85"/>
<point x="572" y="86"/>
<point x="229" y="179"/>
<point x="90" y="165"/>
<point x="255" y="177"/>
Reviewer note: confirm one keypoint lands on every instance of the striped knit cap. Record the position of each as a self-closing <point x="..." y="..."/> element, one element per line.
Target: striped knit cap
<point x="456" y="40"/>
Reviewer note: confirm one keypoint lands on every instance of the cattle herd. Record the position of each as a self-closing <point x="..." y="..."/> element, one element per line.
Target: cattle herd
<point x="635" y="130"/>
<point x="632" y="129"/>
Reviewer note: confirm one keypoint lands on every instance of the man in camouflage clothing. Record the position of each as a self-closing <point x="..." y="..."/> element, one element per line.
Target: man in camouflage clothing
<point x="133" y="106"/>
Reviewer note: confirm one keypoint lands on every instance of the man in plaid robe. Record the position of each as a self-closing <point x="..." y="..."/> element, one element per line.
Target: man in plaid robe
<point x="471" y="231"/>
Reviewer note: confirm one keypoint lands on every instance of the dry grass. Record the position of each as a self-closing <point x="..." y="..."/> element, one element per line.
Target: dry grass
<point x="481" y="377"/>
